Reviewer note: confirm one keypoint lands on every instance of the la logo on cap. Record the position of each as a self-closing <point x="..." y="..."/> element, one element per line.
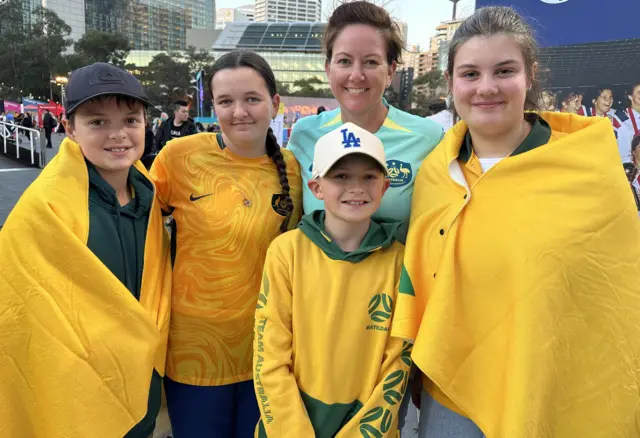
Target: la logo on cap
<point x="349" y="139"/>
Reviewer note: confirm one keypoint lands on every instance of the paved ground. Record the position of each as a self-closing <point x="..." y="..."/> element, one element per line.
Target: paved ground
<point x="16" y="177"/>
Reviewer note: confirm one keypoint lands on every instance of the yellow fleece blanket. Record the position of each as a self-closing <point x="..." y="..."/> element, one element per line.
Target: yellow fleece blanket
<point x="76" y="348"/>
<point x="523" y="291"/>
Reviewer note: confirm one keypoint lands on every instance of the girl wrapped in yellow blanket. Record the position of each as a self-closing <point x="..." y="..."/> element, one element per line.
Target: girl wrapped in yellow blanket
<point x="521" y="286"/>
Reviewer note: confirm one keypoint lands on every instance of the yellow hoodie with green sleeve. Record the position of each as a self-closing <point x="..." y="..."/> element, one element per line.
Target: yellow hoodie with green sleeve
<point x="324" y="363"/>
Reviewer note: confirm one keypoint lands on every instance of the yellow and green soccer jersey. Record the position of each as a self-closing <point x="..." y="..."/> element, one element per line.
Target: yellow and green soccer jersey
<point x="325" y="364"/>
<point x="220" y="250"/>
<point x="407" y="139"/>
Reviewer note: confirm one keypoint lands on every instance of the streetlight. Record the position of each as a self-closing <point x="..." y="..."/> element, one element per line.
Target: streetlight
<point x="61" y="81"/>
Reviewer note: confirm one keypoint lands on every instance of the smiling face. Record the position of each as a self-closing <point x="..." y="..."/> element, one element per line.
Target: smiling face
<point x="358" y="70"/>
<point x="110" y="133"/>
<point x="603" y="102"/>
<point x="352" y="189"/>
<point x="489" y="83"/>
<point x="243" y="105"/>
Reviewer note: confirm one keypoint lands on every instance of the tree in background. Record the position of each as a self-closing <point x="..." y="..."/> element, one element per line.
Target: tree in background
<point x="309" y="88"/>
<point x="98" y="46"/>
<point x="434" y="80"/>
<point x="427" y="88"/>
<point x="168" y="77"/>
<point x="31" y="55"/>
<point x="283" y="88"/>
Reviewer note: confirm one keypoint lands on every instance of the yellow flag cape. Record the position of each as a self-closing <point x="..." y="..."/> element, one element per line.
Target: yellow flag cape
<point x="76" y="348"/>
<point x="525" y="305"/>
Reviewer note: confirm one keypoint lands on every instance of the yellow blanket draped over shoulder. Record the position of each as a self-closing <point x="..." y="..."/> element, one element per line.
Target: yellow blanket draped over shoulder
<point x="76" y="348"/>
<point x="523" y="291"/>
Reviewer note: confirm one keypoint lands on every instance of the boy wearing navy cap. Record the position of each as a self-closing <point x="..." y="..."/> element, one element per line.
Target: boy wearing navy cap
<point x="97" y="304"/>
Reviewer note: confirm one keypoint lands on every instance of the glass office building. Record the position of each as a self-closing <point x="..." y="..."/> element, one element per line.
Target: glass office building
<point x="293" y="50"/>
<point x="150" y="25"/>
<point x="157" y="25"/>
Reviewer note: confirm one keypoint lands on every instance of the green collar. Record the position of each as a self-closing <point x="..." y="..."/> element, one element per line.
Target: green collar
<point x="381" y="234"/>
<point x="539" y="135"/>
<point x="101" y="192"/>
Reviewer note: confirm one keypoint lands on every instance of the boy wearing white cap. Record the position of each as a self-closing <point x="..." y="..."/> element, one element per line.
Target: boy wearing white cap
<point x="324" y="363"/>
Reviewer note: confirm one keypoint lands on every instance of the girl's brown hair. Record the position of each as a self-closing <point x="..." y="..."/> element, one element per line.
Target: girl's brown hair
<point x="243" y="58"/>
<point x="495" y="20"/>
<point x="364" y="12"/>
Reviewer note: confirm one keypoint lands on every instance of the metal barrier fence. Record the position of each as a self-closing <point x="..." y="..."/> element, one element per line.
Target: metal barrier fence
<point x="9" y="130"/>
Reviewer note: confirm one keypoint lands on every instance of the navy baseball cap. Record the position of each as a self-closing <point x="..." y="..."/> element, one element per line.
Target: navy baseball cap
<point x="101" y="79"/>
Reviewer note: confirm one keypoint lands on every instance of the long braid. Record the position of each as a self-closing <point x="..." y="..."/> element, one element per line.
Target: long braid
<point x="273" y="151"/>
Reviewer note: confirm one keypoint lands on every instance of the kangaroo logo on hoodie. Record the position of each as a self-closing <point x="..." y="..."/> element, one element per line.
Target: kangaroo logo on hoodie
<point x="380" y="309"/>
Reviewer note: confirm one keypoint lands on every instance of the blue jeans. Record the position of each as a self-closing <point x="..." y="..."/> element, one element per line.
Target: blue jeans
<point x="437" y="421"/>
<point x="228" y="411"/>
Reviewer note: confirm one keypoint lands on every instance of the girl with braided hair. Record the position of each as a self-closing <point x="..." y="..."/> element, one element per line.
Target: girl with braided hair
<point x="230" y="193"/>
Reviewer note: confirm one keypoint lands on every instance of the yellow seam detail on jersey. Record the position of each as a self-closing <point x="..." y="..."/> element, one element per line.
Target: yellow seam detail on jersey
<point x="327" y="238"/>
<point x="388" y="123"/>
<point x="337" y="119"/>
<point x="375" y="249"/>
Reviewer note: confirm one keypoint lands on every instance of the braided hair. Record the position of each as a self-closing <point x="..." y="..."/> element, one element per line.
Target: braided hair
<point x="245" y="58"/>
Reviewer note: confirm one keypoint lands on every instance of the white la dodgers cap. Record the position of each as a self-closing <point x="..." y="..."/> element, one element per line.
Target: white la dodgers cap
<point x="345" y="140"/>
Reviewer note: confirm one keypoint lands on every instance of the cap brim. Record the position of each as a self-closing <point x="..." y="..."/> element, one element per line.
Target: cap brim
<point x="333" y="163"/>
<point x="69" y="111"/>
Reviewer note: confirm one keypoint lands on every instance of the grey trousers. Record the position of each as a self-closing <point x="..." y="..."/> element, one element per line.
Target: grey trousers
<point x="437" y="421"/>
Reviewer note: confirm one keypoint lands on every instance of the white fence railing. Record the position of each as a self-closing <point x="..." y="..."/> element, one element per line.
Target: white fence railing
<point x="11" y="130"/>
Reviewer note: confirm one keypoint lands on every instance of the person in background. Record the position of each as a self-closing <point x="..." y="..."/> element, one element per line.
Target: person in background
<point x="630" y="123"/>
<point x="61" y="128"/>
<point x="27" y="121"/>
<point x="85" y="300"/>
<point x="631" y="169"/>
<point x="313" y="380"/>
<point x="602" y="108"/>
<point x="548" y="101"/>
<point x="320" y="110"/>
<point x="510" y="262"/>
<point x="48" y="125"/>
<point x="572" y="103"/>
<point x="230" y="194"/>
<point x="148" y="156"/>
<point x="175" y="127"/>
<point x="442" y="113"/>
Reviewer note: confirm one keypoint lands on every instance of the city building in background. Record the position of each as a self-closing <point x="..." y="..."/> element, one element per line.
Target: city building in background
<point x="402" y="84"/>
<point x="156" y="25"/>
<point x="439" y="47"/>
<point x="248" y="11"/>
<point x="152" y="26"/>
<point x="293" y="50"/>
<point x="71" y="11"/>
<point x="288" y="10"/>
<point x="225" y="16"/>
<point x="201" y="38"/>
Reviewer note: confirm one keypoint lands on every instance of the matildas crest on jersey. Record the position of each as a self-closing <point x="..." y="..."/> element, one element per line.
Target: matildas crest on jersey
<point x="400" y="173"/>
<point x="380" y="310"/>
<point x="278" y="204"/>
